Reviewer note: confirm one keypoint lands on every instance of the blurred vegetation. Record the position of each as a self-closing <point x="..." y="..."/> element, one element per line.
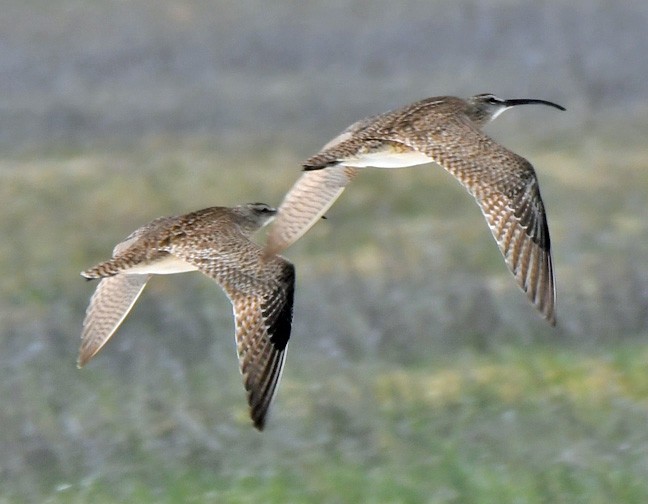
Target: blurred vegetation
<point x="81" y="72"/>
<point x="417" y="371"/>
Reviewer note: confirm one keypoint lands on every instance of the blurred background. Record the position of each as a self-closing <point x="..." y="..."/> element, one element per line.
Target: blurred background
<point x="417" y="371"/>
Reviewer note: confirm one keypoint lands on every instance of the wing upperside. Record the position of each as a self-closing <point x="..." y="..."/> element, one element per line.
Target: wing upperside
<point x="506" y="188"/>
<point x="261" y="290"/>
<point x="263" y="327"/>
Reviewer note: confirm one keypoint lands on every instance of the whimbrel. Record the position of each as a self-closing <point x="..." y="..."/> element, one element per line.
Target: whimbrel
<point x="214" y="241"/>
<point x="445" y="130"/>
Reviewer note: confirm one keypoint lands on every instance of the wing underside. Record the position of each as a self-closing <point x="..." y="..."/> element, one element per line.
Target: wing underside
<point x="309" y="198"/>
<point x="110" y="304"/>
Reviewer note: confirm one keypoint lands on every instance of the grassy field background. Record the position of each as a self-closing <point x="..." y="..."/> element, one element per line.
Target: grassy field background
<point x="417" y="371"/>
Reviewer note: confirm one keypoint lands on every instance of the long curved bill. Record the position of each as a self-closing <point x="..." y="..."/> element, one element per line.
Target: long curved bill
<point x="532" y="101"/>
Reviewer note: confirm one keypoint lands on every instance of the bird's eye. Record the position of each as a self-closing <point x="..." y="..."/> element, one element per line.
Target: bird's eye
<point x="260" y="207"/>
<point x="493" y="100"/>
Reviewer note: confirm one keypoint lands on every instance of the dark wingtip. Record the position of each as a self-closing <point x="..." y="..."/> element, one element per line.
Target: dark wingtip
<point x="281" y="326"/>
<point x="259" y="423"/>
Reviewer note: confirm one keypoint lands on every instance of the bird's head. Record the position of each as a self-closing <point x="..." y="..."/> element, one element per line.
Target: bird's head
<point x="485" y="107"/>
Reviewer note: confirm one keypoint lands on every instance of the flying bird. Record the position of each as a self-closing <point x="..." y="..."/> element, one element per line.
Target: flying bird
<point x="214" y="241"/>
<point x="445" y="130"/>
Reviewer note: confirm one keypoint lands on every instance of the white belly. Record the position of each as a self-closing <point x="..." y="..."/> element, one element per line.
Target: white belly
<point x="167" y="266"/>
<point x="387" y="159"/>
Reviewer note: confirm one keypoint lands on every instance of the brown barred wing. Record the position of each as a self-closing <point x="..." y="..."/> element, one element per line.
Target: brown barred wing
<point x="506" y="188"/>
<point x="262" y="294"/>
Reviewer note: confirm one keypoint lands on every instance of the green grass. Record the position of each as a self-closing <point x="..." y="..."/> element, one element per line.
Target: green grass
<point x="524" y="424"/>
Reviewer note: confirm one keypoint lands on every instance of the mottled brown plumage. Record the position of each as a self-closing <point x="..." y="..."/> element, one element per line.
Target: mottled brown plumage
<point x="216" y="242"/>
<point x="445" y="130"/>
